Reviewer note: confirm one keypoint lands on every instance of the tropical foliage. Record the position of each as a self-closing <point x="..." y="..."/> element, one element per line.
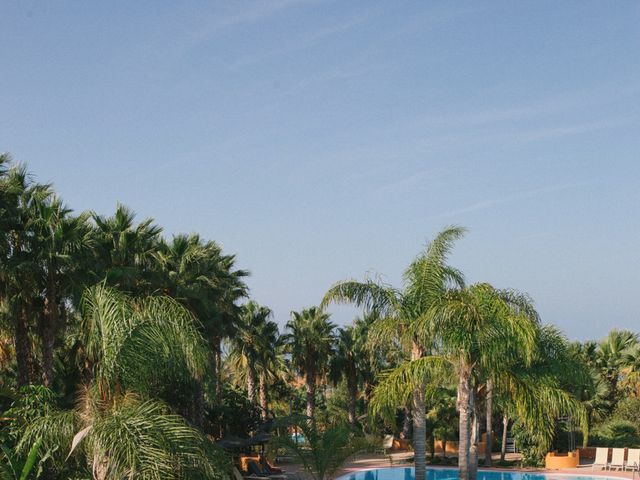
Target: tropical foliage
<point x="323" y="451"/>
<point x="126" y="353"/>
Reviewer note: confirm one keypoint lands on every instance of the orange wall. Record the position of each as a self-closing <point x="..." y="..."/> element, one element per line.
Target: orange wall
<point x="555" y="461"/>
<point x="452" y="447"/>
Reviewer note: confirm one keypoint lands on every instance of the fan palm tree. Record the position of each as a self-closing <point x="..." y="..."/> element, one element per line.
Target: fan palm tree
<point x="197" y="274"/>
<point x="310" y="343"/>
<point x="632" y="369"/>
<point x="344" y="365"/>
<point x="124" y="250"/>
<point x="426" y="280"/>
<point x="612" y="359"/>
<point x="41" y="246"/>
<point x="62" y="240"/>
<point x="593" y="392"/>
<point x="19" y="268"/>
<point x="249" y="344"/>
<point x="270" y="362"/>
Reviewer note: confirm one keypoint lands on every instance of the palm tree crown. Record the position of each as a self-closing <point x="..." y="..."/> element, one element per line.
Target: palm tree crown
<point x="426" y="280"/>
<point x="310" y="343"/>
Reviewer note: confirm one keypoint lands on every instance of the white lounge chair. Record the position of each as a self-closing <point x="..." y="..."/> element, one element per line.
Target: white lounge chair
<point x="633" y="459"/>
<point x="602" y="458"/>
<point x="387" y="444"/>
<point x="617" y="459"/>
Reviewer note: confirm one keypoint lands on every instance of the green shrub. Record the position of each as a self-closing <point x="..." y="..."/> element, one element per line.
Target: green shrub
<point x="629" y="409"/>
<point x="532" y="447"/>
<point x="616" y="434"/>
<point x="324" y="451"/>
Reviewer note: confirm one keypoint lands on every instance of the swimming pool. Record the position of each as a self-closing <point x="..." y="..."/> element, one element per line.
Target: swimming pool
<point x="407" y="473"/>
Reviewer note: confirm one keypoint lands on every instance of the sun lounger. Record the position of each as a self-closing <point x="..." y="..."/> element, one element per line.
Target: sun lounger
<point x="238" y="476"/>
<point x="387" y="444"/>
<point x="602" y="458"/>
<point x="257" y="470"/>
<point x="617" y="459"/>
<point x="633" y="459"/>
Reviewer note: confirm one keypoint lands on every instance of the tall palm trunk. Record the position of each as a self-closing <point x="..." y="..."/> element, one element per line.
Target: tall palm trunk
<point x="195" y="412"/>
<point x="352" y="388"/>
<point x="367" y="393"/>
<point x="216" y="366"/>
<point x="464" y="404"/>
<point x="419" y="421"/>
<point x="251" y="384"/>
<point x="24" y="358"/>
<point x="505" y="426"/>
<point x="407" y="429"/>
<point x="475" y="433"/>
<point x="50" y="321"/>
<point x="489" y="425"/>
<point x="310" y="379"/>
<point x="264" y="406"/>
<point x="586" y="430"/>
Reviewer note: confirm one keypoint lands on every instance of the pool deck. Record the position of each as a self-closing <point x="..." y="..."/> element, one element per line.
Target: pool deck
<point x="367" y="462"/>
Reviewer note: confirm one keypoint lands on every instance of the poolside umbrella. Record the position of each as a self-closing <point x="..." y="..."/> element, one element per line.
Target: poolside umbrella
<point x="231" y="442"/>
<point x="260" y="438"/>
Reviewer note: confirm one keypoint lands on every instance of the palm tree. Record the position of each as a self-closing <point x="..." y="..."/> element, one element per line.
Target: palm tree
<point x="344" y="364"/>
<point x="61" y="240"/>
<point x="197" y="274"/>
<point x="249" y="344"/>
<point x="443" y="415"/>
<point x="540" y="392"/>
<point x="270" y="362"/>
<point x="19" y="268"/>
<point x="477" y="331"/>
<point x="492" y="335"/>
<point x="124" y="251"/>
<point x="136" y="348"/>
<point x="632" y="369"/>
<point x="612" y="359"/>
<point x="426" y="280"/>
<point x="324" y="451"/>
<point x="310" y="343"/>
<point x="593" y="392"/>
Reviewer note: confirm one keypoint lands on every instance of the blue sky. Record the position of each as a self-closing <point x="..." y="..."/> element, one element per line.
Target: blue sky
<point x="324" y="140"/>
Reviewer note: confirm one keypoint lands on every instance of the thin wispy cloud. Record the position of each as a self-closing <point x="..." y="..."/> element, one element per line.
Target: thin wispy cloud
<point x="249" y="13"/>
<point x="555" y="104"/>
<point x="569" y="130"/>
<point x="206" y="26"/>
<point x="309" y="40"/>
<point x="524" y="195"/>
<point x="409" y="181"/>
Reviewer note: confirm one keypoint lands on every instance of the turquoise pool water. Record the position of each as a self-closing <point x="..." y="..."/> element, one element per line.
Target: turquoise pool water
<point x="407" y="473"/>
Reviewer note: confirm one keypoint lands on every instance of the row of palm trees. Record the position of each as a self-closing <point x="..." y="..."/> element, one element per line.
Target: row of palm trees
<point x="153" y="331"/>
<point x="112" y="337"/>
<point x="49" y="255"/>
<point x="485" y="344"/>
